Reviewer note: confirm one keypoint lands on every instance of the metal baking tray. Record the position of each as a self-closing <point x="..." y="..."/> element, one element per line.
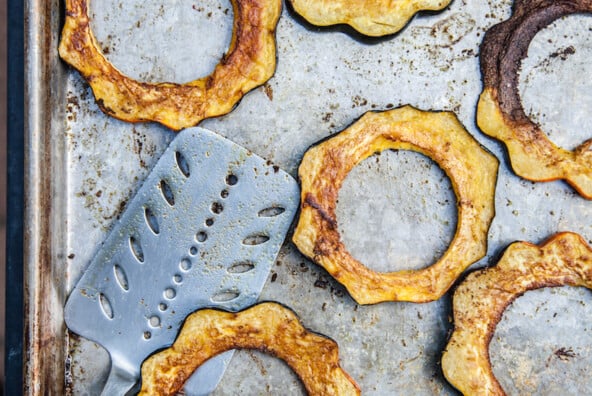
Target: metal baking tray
<point x="396" y="210"/>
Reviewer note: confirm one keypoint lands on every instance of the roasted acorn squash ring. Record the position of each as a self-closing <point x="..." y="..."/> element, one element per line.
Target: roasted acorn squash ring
<point x="440" y="136"/>
<point x="250" y="62"/>
<point x="369" y="17"/>
<point x="481" y="299"/>
<point x="500" y="113"/>
<point x="268" y="327"/>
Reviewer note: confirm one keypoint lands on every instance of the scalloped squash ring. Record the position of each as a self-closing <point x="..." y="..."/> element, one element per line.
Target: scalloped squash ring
<point x="268" y="327"/>
<point x="250" y="62"/>
<point x="438" y="135"/>
<point x="370" y="17"/>
<point x="480" y="301"/>
<point x="500" y="113"/>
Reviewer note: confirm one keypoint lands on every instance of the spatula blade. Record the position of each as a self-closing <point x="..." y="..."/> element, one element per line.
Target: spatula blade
<point x="202" y="231"/>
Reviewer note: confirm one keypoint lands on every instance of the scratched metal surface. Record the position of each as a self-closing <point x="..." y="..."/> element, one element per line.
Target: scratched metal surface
<point x="396" y="210"/>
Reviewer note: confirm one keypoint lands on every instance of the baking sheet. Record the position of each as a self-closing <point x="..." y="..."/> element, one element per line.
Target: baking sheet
<point x="396" y="210"/>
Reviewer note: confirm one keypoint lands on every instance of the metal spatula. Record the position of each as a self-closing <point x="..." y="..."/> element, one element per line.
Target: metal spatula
<point x="203" y="230"/>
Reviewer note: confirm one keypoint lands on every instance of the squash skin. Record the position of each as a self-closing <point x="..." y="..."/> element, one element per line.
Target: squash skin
<point x="373" y="18"/>
<point x="268" y="327"/>
<point x="439" y="136"/>
<point x="250" y="62"/>
<point x="480" y="300"/>
<point x="500" y="113"/>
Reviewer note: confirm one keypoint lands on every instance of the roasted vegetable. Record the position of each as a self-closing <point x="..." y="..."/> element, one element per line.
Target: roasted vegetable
<point x="250" y="62"/>
<point x="369" y="17"/>
<point x="500" y="113"/>
<point x="482" y="297"/>
<point x="268" y="327"/>
<point x="440" y="136"/>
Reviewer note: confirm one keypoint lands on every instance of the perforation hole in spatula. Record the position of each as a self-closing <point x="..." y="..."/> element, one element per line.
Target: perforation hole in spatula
<point x="231" y="179"/>
<point x="154" y="321"/>
<point x="241" y="267"/>
<point x="201" y="236"/>
<point x="225" y="296"/>
<point x="151" y="221"/>
<point x="121" y="277"/>
<point x="272" y="211"/>
<point x="136" y="249"/>
<point x="217" y="207"/>
<point x="106" y="306"/>
<point x="178" y="278"/>
<point x="185" y="264"/>
<point x="167" y="193"/>
<point x="170" y="293"/>
<point x="255" y="239"/>
<point x="182" y="164"/>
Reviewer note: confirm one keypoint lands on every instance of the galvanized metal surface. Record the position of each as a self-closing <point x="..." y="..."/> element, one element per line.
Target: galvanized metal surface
<point x="396" y="210"/>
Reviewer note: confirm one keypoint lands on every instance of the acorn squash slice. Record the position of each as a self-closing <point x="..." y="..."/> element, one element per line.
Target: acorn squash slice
<point x="439" y="135"/>
<point x="369" y="17"/>
<point x="500" y="113"/>
<point x="268" y="327"/>
<point x="250" y="62"/>
<point x="480" y="300"/>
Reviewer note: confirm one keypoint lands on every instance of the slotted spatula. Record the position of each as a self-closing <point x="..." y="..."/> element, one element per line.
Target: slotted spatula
<point x="203" y="230"/>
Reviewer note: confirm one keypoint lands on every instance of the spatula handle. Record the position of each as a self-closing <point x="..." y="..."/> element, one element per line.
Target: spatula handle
<point x="119" y="382"/>
<point x="208" y="375"/>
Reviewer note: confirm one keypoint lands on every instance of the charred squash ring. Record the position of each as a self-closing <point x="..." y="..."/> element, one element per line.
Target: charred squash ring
<point x="440" y="136"/>
<point x="482" y="297"/>
<point x="250" y="62"/>
<point x="500" y="113"/>
<point x="369" y="17"/>
<point x="269" y="327"/>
